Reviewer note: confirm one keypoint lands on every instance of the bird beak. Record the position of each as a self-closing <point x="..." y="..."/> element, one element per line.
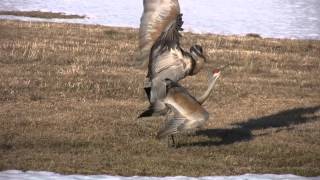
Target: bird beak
<point x="205" y="59"/>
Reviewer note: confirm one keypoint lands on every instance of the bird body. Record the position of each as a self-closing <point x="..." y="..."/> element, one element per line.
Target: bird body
<point x="187" y="106"/>
<point x="157" y="15"/>
<point x="167" y="60"/>
<point x="188" y="112"/>
<point x="174" y="64"/>
<point x="171" y="64"/>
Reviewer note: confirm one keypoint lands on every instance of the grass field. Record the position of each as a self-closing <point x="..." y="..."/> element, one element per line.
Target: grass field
<point x="70" y="95"/>
<point x="41" y="14"/>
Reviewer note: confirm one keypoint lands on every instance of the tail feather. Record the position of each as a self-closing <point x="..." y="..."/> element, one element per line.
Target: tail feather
<point x="172" y="127"/>
<point x="148" y="91"/>
<point x="166" y="132"/>
<point x="147" y="113"/>
<point x="156" y="109"/>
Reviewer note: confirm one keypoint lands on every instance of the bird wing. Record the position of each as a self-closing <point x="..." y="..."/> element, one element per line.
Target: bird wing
<point x="168" y="66"/>
<point x="155" y="109"/>
<point x="170" y="37"/>
<point x="165" y="61"/>
<point x="172" y="125"/>
<point x="156" y="17"/>
<point x="171" y="63"/>
<point x="188" y="113"/>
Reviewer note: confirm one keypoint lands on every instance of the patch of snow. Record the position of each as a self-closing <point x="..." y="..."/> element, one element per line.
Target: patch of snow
<point x="43" y="175"/>
<point x="271" y="18"/>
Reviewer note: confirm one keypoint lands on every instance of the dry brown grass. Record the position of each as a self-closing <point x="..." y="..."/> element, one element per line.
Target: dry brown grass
<point x="70" y="95"/>
<point x="40" y="14"/>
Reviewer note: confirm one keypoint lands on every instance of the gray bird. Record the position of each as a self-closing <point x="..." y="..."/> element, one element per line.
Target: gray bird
<point x="169" y="61"/>
<point x="187" y="112"/>
<point x="157" y="15"/>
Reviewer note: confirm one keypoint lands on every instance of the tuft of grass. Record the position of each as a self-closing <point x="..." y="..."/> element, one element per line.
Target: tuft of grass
<point x="41" y="14"/>
<point x="253" y="35"/>
<point x="70" y="95"/>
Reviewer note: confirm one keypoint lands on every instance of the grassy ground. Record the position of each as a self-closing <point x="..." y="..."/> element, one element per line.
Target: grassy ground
<point x="40" y="14"/>
<point x="70" y="95"/>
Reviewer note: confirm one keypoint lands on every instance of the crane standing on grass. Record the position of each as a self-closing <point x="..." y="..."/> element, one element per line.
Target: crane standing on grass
<point x="185" y="112"/>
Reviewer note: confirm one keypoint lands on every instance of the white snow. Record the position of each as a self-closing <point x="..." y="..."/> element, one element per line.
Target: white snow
<point x="43" y="175"/>
<point x="271" y="18"/>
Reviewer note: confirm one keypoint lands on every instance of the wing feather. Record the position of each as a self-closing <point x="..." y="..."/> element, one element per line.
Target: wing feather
<point x="165" y="61"/>
<point x="170" y="37"/>
<point x="171" y="127"/>
<point x="156" y="17"/>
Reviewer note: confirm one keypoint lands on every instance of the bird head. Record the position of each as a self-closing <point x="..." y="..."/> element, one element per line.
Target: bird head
<point x="216" y="72"/>
<point x="196" y="52"/>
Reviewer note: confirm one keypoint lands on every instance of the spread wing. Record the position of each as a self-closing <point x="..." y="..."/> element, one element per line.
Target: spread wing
<point x="172" y="125"/>
<point x="165" y="61"/>
<point x="169" y="39"/>
<point x="156" y="17"/>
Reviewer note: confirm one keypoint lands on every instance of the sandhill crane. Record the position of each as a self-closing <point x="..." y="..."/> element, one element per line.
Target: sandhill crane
<point x="169" y="61"/>
<point x="188" y="112"/>
<point x="157" y="15"/>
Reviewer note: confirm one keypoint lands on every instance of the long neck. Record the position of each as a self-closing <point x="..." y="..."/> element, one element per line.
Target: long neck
<point x="206" y="94"/>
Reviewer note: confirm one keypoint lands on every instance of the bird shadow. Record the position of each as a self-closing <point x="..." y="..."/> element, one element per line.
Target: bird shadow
<point x="243" y="130"/>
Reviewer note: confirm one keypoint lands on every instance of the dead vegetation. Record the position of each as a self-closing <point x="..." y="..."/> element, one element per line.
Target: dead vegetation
<point x="41" y="14"/>
<point x="70" y="95"/>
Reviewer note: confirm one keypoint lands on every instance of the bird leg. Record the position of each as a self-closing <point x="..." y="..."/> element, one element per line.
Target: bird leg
<point x="173" y="141"/>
